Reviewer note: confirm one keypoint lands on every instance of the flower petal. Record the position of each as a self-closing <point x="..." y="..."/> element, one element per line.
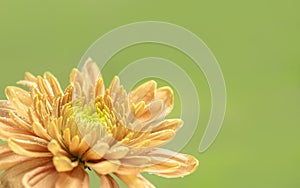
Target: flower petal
<point x="8" y="158"/>
<point x="64" y="164"/>
<point x="54" y="84"/>
<point x="104" y="167"/>
<point x="19" y="99"/>
<point x="173" y="124"/>
<point x="86" y="80"/>
<point x="8" y="129"/>
<point x="144" y="92"/>
<point x="170" y="164"/>
<point x="96" y="152"/>
<point x="166" y="95"/>
<point x="43" y="176"/>
<point x="12" y="177"/>
<point x="136" y="161"/>
<point x="161" y="138"/>
<point x="76" y="178"/>
<point x="30" y="146"/>
<point x="116" y="152"/>
<point x="5" y="108"/>
<point x="108" y="182"/>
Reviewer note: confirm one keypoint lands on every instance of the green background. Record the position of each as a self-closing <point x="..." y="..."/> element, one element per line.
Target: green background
<point x="256" y="43"/>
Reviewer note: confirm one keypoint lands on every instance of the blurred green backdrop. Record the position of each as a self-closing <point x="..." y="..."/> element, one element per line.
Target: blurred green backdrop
<point x="257" y="46"/>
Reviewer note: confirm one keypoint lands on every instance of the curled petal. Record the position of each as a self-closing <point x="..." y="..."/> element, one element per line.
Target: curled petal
<point x="13" y="176"/>
<point x="144" y="92"/>
<point x="30" y="80"/>
<point x="77" y="178"/>
<point x="171" y="164"/>
<point x="166" y="95"/>
<point x="43" y="176"/>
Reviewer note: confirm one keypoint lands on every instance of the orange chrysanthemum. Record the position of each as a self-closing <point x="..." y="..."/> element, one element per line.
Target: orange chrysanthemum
<point x="53" y="135"/>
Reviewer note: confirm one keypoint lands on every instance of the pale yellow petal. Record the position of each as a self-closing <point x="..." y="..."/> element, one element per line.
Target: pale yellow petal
<point x="64" y="164"/>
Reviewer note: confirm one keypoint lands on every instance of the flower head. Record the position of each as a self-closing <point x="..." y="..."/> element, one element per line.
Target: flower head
<point x="54" y="136"/>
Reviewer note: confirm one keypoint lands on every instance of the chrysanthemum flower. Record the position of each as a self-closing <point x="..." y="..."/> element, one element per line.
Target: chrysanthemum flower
<point x="54" y="136"/>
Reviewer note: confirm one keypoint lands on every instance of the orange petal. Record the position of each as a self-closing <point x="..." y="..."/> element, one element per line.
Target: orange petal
<point x="99" y="88"/>
<point x="54" y="84"/>
<point x="8" y="158"/>
<point x="161" y="138"/>
<point x="108" y="182"/>
<point x="13" y="176"/>
<point x="76" y="178"/>
<point x="43" y="176"/>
